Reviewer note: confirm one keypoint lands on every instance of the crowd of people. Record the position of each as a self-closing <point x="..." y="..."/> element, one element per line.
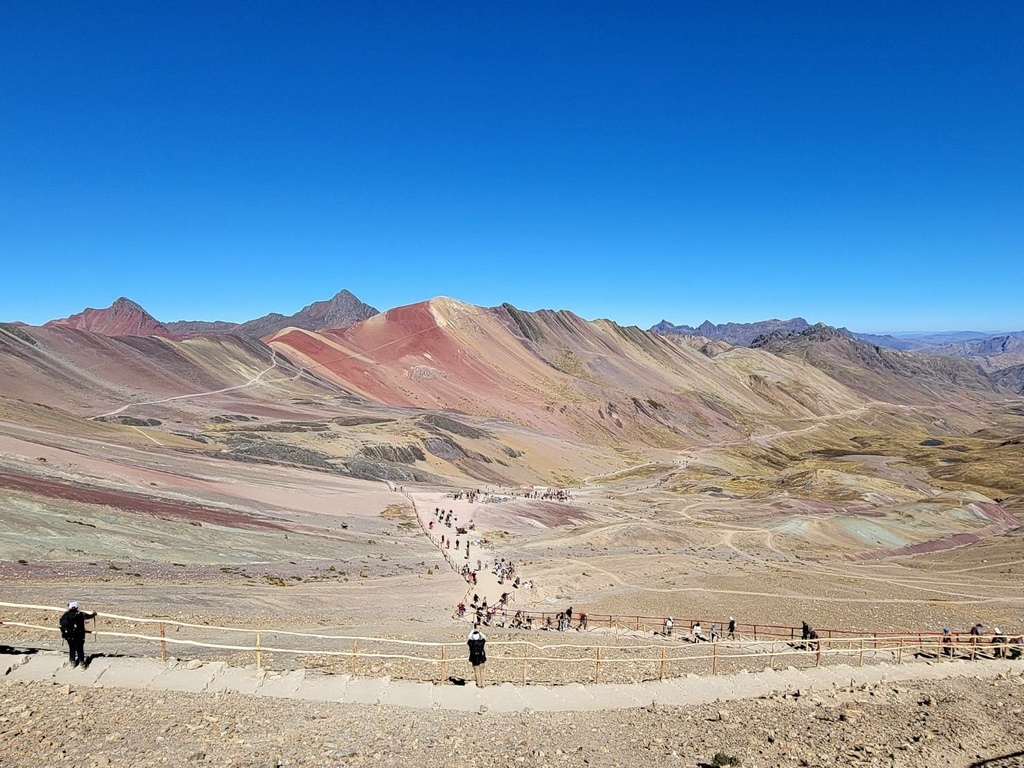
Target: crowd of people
<point x="549" y="494"/>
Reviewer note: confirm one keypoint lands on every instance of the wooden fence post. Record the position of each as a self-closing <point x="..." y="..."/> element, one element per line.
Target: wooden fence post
<point x="899" y="652"/>
<point x="352" y="658"/>
<point x="755" y="631"/>
<point x="259" y="652"/>
<point x="661" y="670"/>
<point x="861" y="652"/>
<point x="444" y="665"/>
<point x="163" y="642"/>
<point x="714" y="659"/>
<point x="771" y="657"/>
<point x="525" y="652"/>
<point x="597" y="666"/>
<point x="817" y="652"/>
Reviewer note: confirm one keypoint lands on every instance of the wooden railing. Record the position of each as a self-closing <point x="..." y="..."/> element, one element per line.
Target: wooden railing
<point x="522" y="661"/>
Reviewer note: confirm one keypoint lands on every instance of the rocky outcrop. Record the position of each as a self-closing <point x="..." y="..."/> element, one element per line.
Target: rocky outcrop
<point x="365" y="469"/>
<point x="448" y="424"/>
<point x="395" y="454"/>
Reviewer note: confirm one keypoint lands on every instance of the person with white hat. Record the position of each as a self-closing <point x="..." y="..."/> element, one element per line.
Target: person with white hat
<point x="72" y="629"/>
<point x="477" y="655"/>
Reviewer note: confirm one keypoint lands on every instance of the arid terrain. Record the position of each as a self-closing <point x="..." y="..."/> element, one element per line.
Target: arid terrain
<point x="287" y="483"/>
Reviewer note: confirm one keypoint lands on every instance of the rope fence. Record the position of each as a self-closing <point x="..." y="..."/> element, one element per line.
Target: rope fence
<point x="523" y="661"/>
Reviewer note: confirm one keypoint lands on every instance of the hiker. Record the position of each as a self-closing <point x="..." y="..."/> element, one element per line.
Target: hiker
<point x="698" y="633"/>
<point x="72" y="629"/>
<point x="477" y="657"/>
<point x="732" y="628"/>
<point x="805" y="631"/>
<point x="583" y="621"/>
<point x="568" y="615"/>
<point x="812" y="640"/>
<point x="715" y="637"/>
<point x="1000" y="640"/>
<point x="669" y="624"/>
<point x="1016" y="647"/>
<point x="947" y="642"/>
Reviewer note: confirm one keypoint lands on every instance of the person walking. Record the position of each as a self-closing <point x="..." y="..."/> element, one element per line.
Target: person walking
<point x="72" y="629"/>
<point x="477" y="656"/>
<point x="732" y="628"/>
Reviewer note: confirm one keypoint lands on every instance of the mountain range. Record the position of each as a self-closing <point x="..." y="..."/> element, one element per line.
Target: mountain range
<point x="737" y="334"/>
<point x="445" y="389"/>
<point x="126" y="318"/>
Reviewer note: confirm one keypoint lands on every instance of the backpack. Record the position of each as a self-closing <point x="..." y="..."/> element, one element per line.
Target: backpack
<point x="67" y="625"/>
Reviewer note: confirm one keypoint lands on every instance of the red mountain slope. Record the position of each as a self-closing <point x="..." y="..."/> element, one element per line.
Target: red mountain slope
<point x="557" y="373"/>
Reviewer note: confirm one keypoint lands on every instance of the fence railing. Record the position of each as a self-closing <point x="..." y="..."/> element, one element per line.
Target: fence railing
<point x="522" y="661"/>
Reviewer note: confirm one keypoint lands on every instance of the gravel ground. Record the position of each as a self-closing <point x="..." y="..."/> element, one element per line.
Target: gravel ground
<point x="946" y="723"/>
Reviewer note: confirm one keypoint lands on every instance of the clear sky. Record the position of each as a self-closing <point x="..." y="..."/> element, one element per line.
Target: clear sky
<point x="857" y="163"/>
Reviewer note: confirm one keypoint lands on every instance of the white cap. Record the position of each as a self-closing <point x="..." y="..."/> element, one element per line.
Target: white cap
<point x="73" y="604"/>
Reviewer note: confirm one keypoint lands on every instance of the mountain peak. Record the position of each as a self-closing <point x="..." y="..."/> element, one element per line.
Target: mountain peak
<point x="340" y="311"/>
<point x="122" y="318"/>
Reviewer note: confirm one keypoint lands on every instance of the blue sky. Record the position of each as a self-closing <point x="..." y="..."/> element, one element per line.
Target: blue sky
<point x="860" y="164"/>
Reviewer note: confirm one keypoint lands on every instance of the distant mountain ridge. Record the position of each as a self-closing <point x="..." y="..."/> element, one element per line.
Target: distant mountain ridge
<point x="737" y="334"/>
<point x="126" y="318"/>
<point x="992" y="354"/>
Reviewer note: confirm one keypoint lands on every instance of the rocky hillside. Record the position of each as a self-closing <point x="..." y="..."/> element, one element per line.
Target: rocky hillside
<point x="1012" y="378"/>
<point x="878" y="372"/>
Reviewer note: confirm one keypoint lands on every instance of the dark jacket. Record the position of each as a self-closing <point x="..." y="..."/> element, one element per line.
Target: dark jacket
<point x="72" y="624"/>
<point x="476" y="648"/>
